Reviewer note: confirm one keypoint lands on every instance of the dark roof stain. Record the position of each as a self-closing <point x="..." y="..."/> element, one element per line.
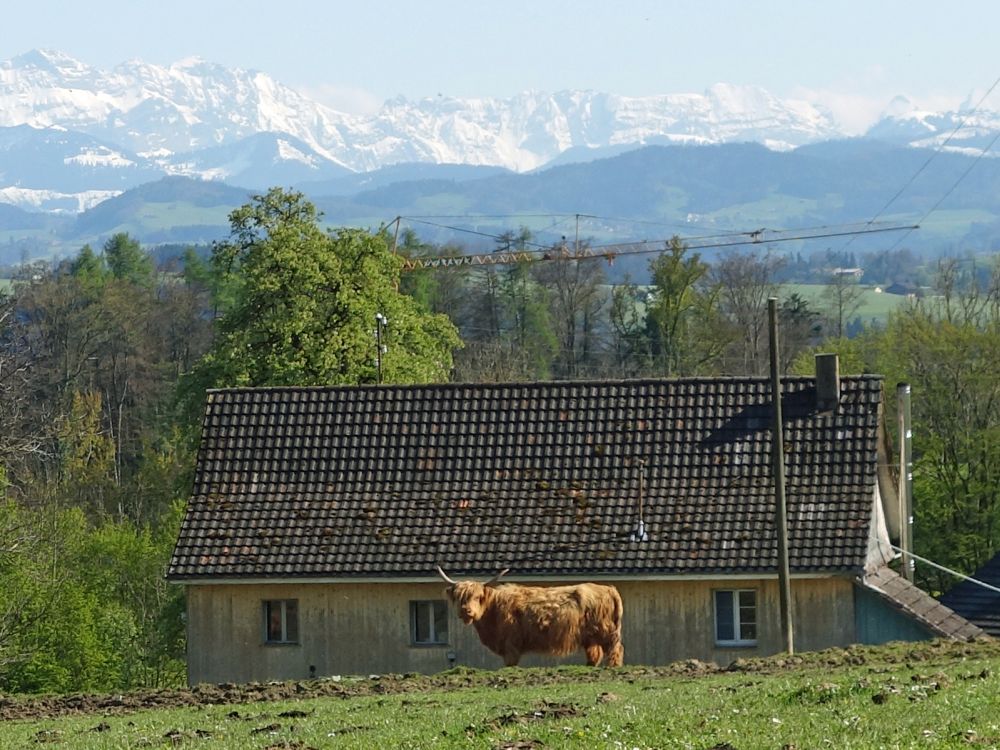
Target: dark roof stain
<point x="388" y="481"/>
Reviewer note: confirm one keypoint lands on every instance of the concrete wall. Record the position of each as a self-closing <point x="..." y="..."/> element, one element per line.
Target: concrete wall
<point x="365" y="628"/>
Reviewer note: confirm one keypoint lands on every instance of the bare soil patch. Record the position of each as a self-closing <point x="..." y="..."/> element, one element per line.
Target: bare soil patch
<point x="36" y="707"/>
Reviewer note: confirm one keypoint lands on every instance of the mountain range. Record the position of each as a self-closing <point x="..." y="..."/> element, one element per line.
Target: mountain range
<point x="81" y="149"/>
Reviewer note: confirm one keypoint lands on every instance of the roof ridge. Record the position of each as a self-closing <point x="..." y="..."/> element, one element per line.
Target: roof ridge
<point x="506" y="385"/>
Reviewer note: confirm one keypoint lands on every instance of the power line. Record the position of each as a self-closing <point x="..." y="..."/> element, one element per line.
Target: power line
<point x="950" y="190"/>
<point x="943" y="568"/>
<point x="924" y="166"/>
<point x="611" y="251"/>
<point x="495" y="237"/>
<point x="492" y="216"/>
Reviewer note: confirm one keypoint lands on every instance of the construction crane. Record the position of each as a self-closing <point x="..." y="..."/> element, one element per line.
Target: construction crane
<point x="563" y="251"/>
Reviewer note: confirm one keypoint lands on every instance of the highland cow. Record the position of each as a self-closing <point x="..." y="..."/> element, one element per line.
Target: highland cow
<point x="512" y="620"/>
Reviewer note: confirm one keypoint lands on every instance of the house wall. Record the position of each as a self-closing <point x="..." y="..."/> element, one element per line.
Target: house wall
<point x="365" y="628"/>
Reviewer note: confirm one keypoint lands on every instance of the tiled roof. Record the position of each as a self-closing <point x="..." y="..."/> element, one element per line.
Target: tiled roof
<point x="541" y="477"/>
<point x="978" y="604"/>
<point x="921" y="606"/>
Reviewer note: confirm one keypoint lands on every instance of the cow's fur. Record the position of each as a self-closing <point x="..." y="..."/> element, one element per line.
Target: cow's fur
<point x="512" y="620"/>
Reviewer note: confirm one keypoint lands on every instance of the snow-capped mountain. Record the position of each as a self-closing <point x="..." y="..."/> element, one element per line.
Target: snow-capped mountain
<point x="71" y="134"/>
<point x="160" y="111"/>
<point x="967" y="130"/>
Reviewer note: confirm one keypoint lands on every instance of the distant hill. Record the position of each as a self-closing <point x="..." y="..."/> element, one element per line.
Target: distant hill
<point x="356" y="182"/>
<point x="648" y="193"/>
<point x="173" y="209"/>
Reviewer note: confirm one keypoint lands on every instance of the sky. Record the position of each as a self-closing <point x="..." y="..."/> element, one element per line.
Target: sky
<point x="852" y="56"/>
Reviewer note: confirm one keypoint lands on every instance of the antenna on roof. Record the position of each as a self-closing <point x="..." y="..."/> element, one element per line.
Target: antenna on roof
<point x="640" y="535"/>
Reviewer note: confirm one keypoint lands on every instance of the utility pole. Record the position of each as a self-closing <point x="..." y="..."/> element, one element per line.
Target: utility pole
<point x="905" y="478"/>
<point x="380" y="323"/>
<point x="395" y="236"/>
<point x="778" y="472"/>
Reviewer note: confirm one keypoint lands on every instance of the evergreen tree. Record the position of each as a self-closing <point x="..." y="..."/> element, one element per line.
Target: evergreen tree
<point x="127" y="261"/>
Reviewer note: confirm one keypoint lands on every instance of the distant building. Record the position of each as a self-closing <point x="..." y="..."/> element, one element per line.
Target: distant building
<point x="857" y="273"/>
<point x="903" y="290"/>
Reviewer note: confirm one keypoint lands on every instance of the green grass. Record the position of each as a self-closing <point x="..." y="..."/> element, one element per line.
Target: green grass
<point x="169" y="215"/>
<point x="775" y="209"/>
<point x="941" y="696"/>
<point x="874" y="305"/>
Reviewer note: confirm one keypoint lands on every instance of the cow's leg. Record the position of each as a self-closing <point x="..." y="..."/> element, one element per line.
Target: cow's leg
<point x="616" y="654"/>
<point x="511" y="658"/>
<point x="594" y="655"/>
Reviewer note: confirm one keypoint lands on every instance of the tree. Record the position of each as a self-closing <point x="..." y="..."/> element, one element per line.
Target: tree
<point x="948" y="349"/>
<point x="90" y="269"/>
<point x="630" y="342"/>
<point x="18" y="439"/>
<point x="306" y="300"/>
<point x="800" y="328"/>
<point x="843" y="296"/>
<point x="683" y="315"/>
<point x="575" y="303"/>
<point x="442" y="290"/>
<point x="745" y="282"/>
<point x="127" y="261"/>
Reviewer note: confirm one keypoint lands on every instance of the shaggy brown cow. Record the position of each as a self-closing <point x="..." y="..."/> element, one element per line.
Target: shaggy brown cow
<point x="512" y="620"/>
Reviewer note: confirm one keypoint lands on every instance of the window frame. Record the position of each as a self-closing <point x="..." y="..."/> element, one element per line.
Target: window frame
<point x="429" y="607"/>
<point x="737" y="622"/>
<point x="267" y="608"/>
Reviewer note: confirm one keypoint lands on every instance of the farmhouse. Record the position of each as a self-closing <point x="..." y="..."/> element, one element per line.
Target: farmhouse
<point x="318" y="515"/>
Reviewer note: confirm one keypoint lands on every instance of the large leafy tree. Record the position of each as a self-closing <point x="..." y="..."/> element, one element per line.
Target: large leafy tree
<point x="305" y="303"/>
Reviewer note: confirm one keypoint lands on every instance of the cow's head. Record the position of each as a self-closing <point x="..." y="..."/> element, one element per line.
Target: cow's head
<point x="469" y="597"/>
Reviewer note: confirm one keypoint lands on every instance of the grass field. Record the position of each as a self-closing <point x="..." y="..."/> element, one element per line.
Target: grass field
<point x="874" y="305"/>
<point x="905" y="695"/>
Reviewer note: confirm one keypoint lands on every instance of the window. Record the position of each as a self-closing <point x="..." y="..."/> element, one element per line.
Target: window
<point x="736" y="617"/>
<point x="281" y="621"/>
<point x="429" y="623"/>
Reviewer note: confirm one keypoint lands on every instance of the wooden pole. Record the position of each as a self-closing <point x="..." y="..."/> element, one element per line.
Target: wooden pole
<point x="778" y="471"/>
<point x="905" y="479"/>
<point x="395" y="236"/>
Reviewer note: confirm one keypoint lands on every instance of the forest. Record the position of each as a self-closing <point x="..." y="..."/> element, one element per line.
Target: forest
<point x="105" y="358"/>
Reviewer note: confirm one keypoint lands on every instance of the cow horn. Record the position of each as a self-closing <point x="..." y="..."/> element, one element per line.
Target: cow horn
<point x="444" y="576"/>
<point x="497" y="577"/>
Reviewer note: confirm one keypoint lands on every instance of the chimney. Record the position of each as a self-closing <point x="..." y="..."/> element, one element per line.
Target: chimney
<point x="827" y="382"/>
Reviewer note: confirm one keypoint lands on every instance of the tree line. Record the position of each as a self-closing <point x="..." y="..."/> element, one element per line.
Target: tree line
<point x="105" y="358"/>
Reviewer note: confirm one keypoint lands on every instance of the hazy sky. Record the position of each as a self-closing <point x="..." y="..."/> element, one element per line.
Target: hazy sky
<point x="852" y="56"/>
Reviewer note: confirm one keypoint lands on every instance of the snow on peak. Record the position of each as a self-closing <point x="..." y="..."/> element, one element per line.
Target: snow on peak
<point x="900" y="106"/>
<point x="195" y="104"/>
<point x="288" y="152"/>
